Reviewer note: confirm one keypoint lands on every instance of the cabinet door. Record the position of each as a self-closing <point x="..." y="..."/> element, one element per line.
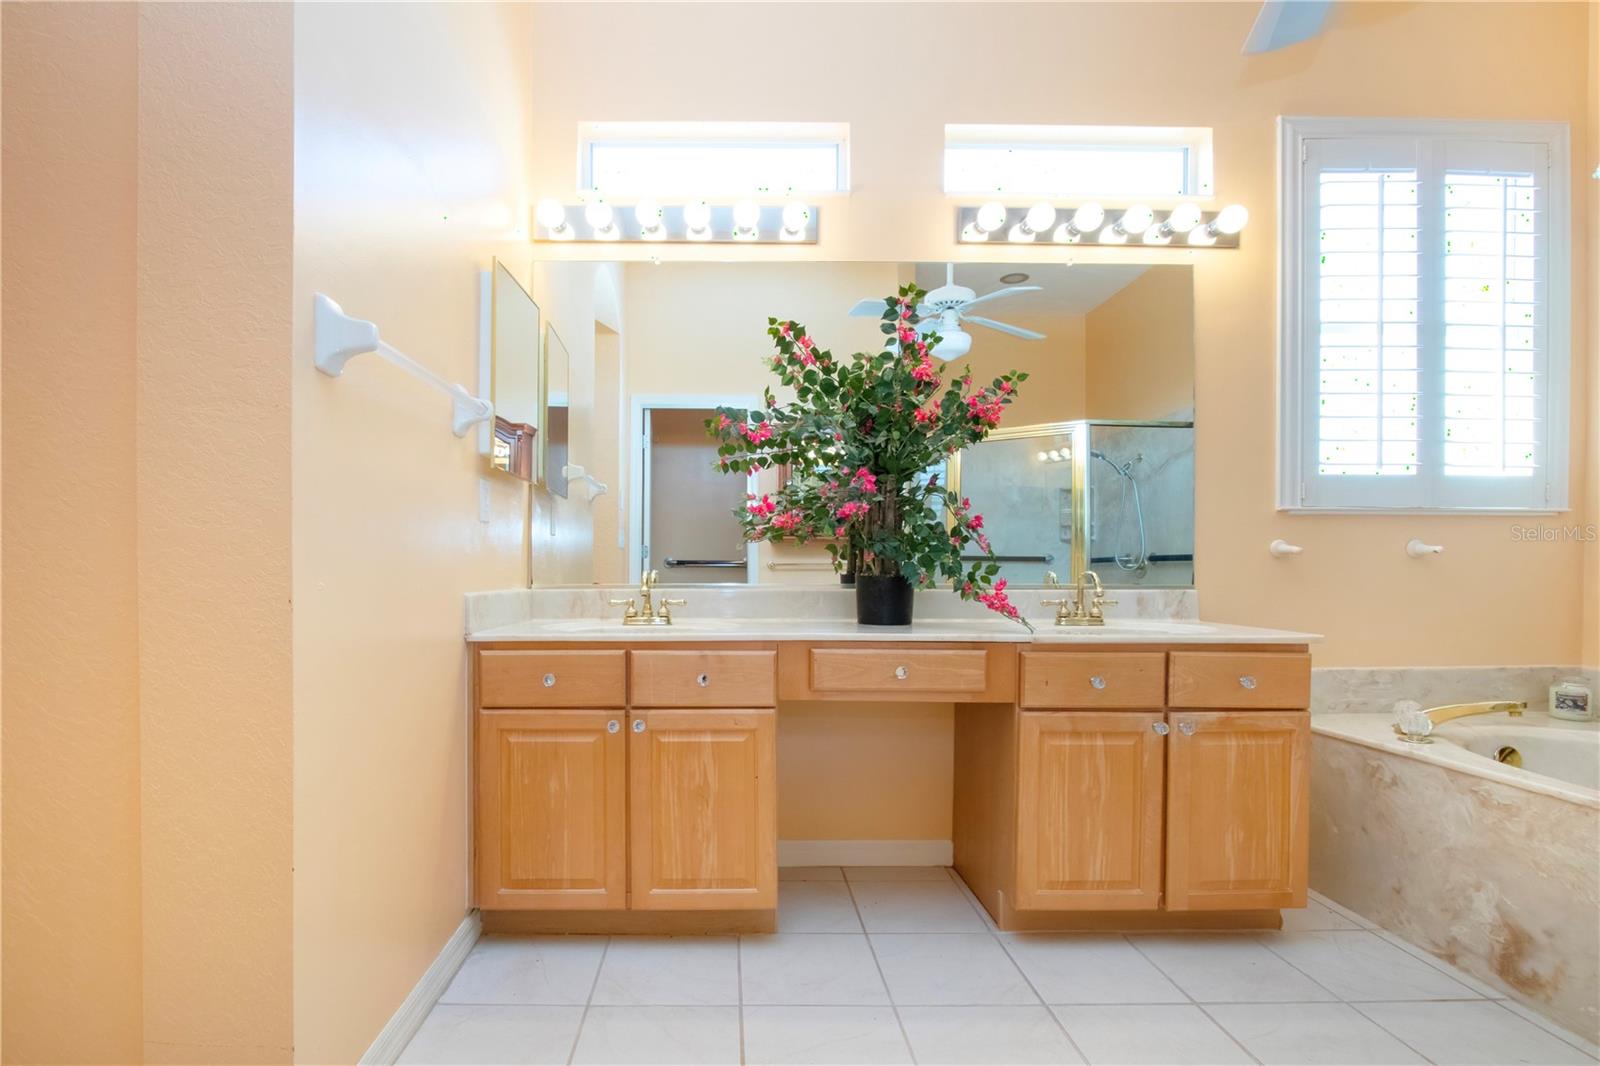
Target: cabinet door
<point x="552" y="804"/>
<point x="1238" y="812"/>
<point x="1089" y="810"/>
<point x="703" y="819"/>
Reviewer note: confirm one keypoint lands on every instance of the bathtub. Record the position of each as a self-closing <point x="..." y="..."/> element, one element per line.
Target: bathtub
<point x="1492" y="867"/>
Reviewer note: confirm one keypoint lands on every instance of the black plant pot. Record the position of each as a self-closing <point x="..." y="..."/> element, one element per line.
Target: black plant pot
<point x="883" y="600"/>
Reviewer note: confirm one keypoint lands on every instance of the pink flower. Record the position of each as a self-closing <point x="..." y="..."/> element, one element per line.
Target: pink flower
<point x="907" y="335"/>
<point x="788" y="520"/>
<point x="976" y="521"/>
<point x="1005" y="388"/>
<point x="985" y="409"/>
<point x="761" y="507"/>
<point x="925" y="372"/>
<point x="785" y="328"/>
<point x="996" y="600"/>
<point x="723" y="422"/>
<point x="853" y="508"/>
<point x="926" y="414"/>
<point x="865" y="480"/>
<point x="758" y="433"/>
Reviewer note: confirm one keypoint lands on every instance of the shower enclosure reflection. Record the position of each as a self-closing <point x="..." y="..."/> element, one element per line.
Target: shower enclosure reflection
<point x="1115" y="497"/>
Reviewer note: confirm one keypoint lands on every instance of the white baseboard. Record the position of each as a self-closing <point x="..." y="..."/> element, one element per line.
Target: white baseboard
<point x="394" y="1036"/>
<point x="865" y="853"/>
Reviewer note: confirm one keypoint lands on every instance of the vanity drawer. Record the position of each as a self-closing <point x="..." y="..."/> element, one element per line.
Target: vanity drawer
<point x="533" y="679"/>
<point x="1094" y="679"/>
<point x="1276" y="680"/>
<point x="703" y="678"/>
<point x="928" y="672"/>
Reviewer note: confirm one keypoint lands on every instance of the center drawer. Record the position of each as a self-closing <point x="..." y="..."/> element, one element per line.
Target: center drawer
<point x="933" y="671"/>
<point x="1116" y="679"/>
<point x="703" y="678"/>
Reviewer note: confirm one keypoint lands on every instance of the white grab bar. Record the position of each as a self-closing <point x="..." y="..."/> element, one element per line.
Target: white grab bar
<point x="341" y="337"/>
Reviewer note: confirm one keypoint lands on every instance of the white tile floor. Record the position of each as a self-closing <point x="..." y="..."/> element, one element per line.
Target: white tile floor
<point x="901" y="965"/>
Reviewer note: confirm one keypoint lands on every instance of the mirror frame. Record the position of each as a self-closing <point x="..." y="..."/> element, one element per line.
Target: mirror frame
<point x="523" y="451"/>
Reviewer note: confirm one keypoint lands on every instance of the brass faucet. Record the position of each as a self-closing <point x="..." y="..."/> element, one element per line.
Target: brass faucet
<point x="1417" y="733"/>
<point x="647" y="615"/>
<point x="1086" y="607"/>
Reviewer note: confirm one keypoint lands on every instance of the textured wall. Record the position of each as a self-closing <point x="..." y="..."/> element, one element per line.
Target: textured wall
<point x="410" y="165"/>
<point x="70" y="765"/>
<point x="1354" y="583"/>
<point x="215" y="227"/>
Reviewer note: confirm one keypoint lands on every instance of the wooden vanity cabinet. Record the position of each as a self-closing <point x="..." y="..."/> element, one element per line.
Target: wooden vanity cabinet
<point x="1089" y="797"/>
<point x="662" y="799"/>
<point x="1238" y="809"/>
<point x="552" y="809"/>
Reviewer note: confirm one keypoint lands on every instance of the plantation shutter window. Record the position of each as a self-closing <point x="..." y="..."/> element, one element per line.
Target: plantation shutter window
<point x="1424" y="354"/>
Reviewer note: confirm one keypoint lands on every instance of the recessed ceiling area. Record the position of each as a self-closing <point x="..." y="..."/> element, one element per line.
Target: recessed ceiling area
<point x="1066" y="288"/>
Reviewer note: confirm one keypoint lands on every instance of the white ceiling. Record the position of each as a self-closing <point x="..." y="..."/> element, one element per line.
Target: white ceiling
<point x="1067" y="289"/>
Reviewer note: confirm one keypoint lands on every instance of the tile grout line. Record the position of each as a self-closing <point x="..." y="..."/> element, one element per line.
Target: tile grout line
<point x="1504" y="1004"/>
<point x="993" y="929"/>
<point x="894" y="1007"/>
<point x="738" y="971"/>
<point x="588" y="1001"/>
<point x="1134" y="944"/>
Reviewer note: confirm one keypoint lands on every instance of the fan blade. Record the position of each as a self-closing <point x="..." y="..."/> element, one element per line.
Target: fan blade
<point x="868" y="309"/>
<point x="1015" y="331"/>
<point x="1010" y="290"/>
<point x="1281" y="23"/>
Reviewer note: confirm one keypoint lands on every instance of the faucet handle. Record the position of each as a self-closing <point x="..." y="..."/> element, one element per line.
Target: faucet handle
<point x="665" y="602"/>
<point x="1054" y="603"/>
<point x="632" y="608"/>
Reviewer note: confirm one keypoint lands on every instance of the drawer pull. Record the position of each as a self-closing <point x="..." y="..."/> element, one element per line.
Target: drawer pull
<point x="613" y="726"/>
<point x="549" y="680"/>
<point x="901" y="673"/>
<point x="1097" y="681"/>
<point x="704" y="680"/>
<point x="1160" y="728"/>
<point x="1186" y="728"/>
<point x="1247" y="681"/>
<point x="638" y="725"/>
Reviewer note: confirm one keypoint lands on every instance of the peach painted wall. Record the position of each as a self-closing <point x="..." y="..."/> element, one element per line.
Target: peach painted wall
<point x="1591" y="165"/>
<point x="1141" y="349"/>
<point x="215" y="227"/>
<point x="70" y="764"/>
<point x="411" y="158"/>
<point x="1355" y="584"/>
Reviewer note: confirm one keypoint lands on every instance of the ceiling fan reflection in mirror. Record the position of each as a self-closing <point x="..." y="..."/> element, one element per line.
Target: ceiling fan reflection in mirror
<point x="943" y="310"/>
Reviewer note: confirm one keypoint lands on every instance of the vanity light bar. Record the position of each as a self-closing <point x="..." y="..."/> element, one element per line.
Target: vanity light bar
<point x="1043" y="223"/>
<point x="745" y="222"/>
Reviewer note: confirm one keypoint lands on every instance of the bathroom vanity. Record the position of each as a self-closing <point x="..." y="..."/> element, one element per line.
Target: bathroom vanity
<point x="1131" y="776"/>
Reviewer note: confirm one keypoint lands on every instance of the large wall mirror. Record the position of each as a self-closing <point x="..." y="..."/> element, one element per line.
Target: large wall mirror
<point x="1092" y="467"/>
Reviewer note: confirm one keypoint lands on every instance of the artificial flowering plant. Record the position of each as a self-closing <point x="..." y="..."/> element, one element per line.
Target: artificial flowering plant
<point x="865" y="438"/>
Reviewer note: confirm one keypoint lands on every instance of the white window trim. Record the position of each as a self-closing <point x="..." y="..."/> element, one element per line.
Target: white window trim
<point x="1293" y="132"/>
<point x="1195" y="139"/>
<point x="836" y="134"/>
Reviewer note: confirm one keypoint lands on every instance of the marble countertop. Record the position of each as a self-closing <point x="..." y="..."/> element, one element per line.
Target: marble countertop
<point x="714" y="630"/>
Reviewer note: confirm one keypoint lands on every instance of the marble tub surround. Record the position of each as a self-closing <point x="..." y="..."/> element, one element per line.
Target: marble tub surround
<point x="1374" y="689"/>
<point x="1493" y="876"/>
<point x="490" y="610"/>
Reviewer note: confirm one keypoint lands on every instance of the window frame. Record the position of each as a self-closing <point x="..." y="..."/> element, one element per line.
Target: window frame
<point x="1195" y="141"/>
<point x="835" y="135"/>
<point x="1296" y="374"/>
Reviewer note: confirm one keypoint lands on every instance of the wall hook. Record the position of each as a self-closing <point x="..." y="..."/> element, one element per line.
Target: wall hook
<point x="1281" y="548"/>
<point x="1417" y="549"/>
<point x="340" y="338"/>
<point x="597" y="488"/>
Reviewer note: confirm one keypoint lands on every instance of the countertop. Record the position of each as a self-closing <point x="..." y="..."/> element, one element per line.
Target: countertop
<point x="997" y="630"/>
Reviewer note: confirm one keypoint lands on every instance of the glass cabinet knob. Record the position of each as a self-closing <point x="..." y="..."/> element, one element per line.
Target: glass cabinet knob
<point x="1186" y="728"/>
<point x="613" y="726"/>
<point x="1247" y="681"/>
<point x="549" y="680"/>
<point x="638" y="725"/>
<point x="1160" y="728"/>
<point x="901" y="673"/>
<point x="1097" y="681"/>
<point x="704" y="680"/>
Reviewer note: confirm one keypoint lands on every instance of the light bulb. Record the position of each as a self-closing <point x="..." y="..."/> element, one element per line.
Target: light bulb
<point x="1202" y="237"/>
<point x="1055" y="456"/>
<point x="1019" y="233"/>
<point x="550" y="214"/>
<point x="1088" y="218"/>
<point x="599" y="216"/>
<point x="1136" y="219"/>
<point x="648" y="214"/>
<point x="1040" y="217"/>
<point x="746" y="215"/>
<point x="1044" y="457"/>
<point x="1065" y="234"/>
<point x="1157" y="235"/>
<point x="1232" y="219"/>
<point x="697" y="221"/>
<point x="991" y="216"/>
<point x="795" y="217"/>
<point x="1113" y="235"/>
<point x="972" y="234"/>
<point x="1183" y="218"/>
